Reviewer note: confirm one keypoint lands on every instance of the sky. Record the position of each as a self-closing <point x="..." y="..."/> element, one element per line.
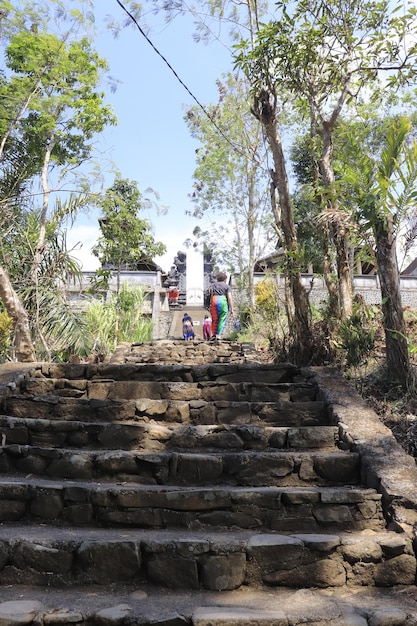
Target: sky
<point x="151" y="143"/>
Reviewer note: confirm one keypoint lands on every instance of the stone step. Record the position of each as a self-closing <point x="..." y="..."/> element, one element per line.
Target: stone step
<point x="308" y="413"/>
<point x="208" y="391"/>
<point x="252" y="468"/>
<point x="194" y="351"/>
<point x="313" y="509"/>
<point x="131" y="604"/>
<point x="115" y="370"/>
<point x="213" y="561"/>
<point x="157" y="436"/>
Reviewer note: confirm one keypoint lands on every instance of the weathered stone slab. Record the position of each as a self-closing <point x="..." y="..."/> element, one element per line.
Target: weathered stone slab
<point x="400" y="570"/>
<point x="42" y="558"/>
<point x="225" y="572"/>
<point x="235" y="616"/>
<point x="106" y="562"/>
<point x="19" y="613"/>
<point x="173" y="572"/>
<point x="323" y="573"/>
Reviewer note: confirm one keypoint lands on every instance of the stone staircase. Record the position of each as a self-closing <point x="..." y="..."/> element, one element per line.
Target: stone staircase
<point x="194" y="483"/>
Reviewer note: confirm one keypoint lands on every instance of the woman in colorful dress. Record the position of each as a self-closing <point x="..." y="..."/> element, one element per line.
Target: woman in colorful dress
<point x="187" y="327"/>
<point x="220" y="305"/>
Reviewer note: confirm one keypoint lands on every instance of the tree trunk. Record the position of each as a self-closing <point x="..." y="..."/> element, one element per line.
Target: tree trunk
<point x="251" y="242"/>
<point x="397" y="359"/>
<point x="339" y="231"/>
<point x="24" y="349"/>
<point x="328" y="278"/>
<point x="265" y="112"/>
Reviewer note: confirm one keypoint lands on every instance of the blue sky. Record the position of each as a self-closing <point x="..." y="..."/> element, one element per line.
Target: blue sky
<point x="151" y="143"/>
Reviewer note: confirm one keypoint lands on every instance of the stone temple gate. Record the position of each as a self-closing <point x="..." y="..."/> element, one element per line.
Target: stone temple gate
<point x="188" y="277"/>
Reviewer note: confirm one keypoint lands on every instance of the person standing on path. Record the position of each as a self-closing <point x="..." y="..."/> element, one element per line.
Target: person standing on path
<point x="207" y="327"/>
<point x="220" y="305"/>
<point x="187" y="327"/>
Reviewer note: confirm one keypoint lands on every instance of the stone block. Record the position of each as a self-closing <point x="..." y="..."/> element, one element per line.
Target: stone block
<point x="389" y="616"/>
<point x="18" y="434"/>
<point x="195" y="468"/>
<point x="42" y="558"/>
<point x="232" y="616"/>
<point x="4" y="554"/>
<point x="178" y="412"/>
<point x="277" y="437"/>
<point x="305" y="496"/>
<point x="276" y="552"/>
<point x="79" y="514"/>
<point x="400" y="570"/>
<point x="122" y="436"/>
<point x="312" y="437"/>
<point x="12" y="510"/>
<point x="223" y="440"/>
<point x="19" y="612"/>
<point x="173" y="571"/>
<point x="39" y="386"/>
<point x="112" y="561"/>
<point x="205" y="414"/>
<point x="139" y="518"/>
<point x="338" y="468"/>
<point x="154" y="408"/>
<point x="233" y="413"/>
<point x="320" y="543"/>
<point x="323" y="573"/>
<point x="115" y="462"/>
<point x="340" y="516"/>
<point x="32" y="464"/>
<point x="212" y="392"/>
<point x="47" y="506"/>
<point x="260" y="469"/>
<point x="72" y="466"/>
<point x="224" y="572"/>
<point x="366" y="551"/>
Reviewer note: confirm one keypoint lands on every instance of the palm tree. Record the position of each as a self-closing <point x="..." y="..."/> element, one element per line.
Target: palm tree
<point x="384" y="189"/>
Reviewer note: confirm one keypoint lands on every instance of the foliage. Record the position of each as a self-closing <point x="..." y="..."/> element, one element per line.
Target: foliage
<point x="270" y="309"/>
<point x="134" y="326"/>
<point x="51" y="108"/>
<point x="357" y="334"/>
<point x="6" y="330"/>
<point x="324" y="54"/>
<point x="101" y="316"/>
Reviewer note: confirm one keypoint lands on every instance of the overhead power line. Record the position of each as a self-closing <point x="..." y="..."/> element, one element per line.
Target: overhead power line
<point x="206" y="113"/>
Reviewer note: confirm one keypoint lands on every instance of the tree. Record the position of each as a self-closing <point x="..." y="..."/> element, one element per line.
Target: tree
<point x="51" y="109"/>
<point x="265" y="108"/>
<point x="324" y="54"/>
<point x="231" y="182"/>
<point x="384" y="187"/>
<point x="126" y="240"/>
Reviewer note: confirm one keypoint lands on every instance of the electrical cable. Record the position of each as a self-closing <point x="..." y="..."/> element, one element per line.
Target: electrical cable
<point x="237" y="148"/>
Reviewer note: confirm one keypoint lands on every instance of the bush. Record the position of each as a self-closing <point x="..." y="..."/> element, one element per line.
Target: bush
<point x="6" y="331"/>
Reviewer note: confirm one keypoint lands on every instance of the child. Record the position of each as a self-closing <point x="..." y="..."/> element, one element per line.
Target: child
<point x="187" y="327"/>
<point x="207" y="327"/>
